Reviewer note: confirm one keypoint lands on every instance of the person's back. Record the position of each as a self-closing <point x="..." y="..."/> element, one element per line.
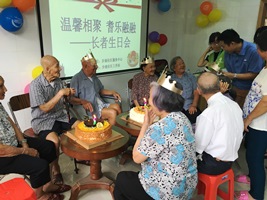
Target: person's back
<point x="219" y="128"/>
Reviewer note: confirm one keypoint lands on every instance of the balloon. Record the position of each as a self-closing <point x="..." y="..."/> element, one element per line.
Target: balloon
<point x="27" y="89"/>
<point x="24" y="5"/>
<point x="215" y="15"/>
<point x="202" y="20"/>
<point x="11" y="19"/>
<point x="37" y="71"/>
<point x="154" y="36"/>
<point x="206" y="7"/>
<point x="154" y="48"/>
<point x="164" y="5"/>
<point x="5" y="3"/>
<point x="162" y="39"/>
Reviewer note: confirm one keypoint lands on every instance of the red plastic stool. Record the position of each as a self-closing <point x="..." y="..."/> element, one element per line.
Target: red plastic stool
<point x="208" y="185"/>
<point x="16" y="189"/>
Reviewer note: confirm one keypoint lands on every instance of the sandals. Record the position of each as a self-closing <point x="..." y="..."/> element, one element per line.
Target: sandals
<point x="57" y="179"/>
<point x="242" y="179"/>
<point x="61" y="189"/>
<point x="242" y="195"/>
<point x="50" y="196"/>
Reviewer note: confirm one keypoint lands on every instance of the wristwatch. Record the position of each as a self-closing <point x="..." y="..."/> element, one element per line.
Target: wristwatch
<point x="23" y="141"/>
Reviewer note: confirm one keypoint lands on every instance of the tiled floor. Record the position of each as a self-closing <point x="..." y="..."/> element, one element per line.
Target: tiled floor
<point x="111" y="167"/>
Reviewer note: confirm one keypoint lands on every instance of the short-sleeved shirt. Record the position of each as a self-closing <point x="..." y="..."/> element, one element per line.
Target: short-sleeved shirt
<point x="257" y="91"/>
<point x="247" y="60"/>
<point x="41" y="91"/>
<point x="7" y="132"/>
<point x="189" y="83"/>
<point x="141" y="87"/>
<point x="88" y="89"/>
<point x="170" y="172"/>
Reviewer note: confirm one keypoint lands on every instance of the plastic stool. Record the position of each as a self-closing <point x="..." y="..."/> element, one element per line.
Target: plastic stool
<point x="16" y="189"/>
<point x="208" y="185"/>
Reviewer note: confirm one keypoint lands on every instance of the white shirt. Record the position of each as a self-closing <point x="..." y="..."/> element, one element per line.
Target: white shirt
<point x="219" y="128"/>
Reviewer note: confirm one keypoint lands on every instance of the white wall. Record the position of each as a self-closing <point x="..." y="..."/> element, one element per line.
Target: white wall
<point x="20" y="52"/>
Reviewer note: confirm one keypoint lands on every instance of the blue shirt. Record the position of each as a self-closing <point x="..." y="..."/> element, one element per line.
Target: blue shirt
<point x="189" y="83"/>
<point x="248" y="60"/>
<point x="87" y="89"/>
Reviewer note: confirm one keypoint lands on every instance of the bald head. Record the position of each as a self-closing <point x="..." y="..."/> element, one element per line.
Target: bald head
<point x="48" y="61"/>
<point x="208" y="83"/>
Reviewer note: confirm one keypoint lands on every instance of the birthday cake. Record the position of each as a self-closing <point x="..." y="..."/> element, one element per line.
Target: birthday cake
<point x="137" y="114"/>
<point x="91" y="132"/>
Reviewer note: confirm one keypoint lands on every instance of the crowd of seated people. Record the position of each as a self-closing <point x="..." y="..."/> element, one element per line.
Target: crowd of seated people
<point x="169" y="152"/>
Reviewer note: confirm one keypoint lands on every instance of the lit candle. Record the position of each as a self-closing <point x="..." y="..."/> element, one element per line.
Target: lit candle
<point x="145" y="101"/>
<point x="94" y="120"/>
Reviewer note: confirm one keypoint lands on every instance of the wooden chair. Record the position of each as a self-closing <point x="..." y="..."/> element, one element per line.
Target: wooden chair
<point x="19" y="103"/>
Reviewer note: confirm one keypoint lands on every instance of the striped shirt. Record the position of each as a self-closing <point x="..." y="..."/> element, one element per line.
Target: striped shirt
<point x="41" y="91"/>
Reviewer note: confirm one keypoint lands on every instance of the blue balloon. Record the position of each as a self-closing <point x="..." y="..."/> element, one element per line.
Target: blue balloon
<point x="11" y="19"/>
<point x="164" y="5"/>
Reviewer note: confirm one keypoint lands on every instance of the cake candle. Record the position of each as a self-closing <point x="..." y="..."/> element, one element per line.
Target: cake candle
<point x="145" y="102"/>
<point x="94" y="120"/>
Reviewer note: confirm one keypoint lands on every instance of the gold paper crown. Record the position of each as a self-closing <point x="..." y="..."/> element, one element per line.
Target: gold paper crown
<point x="215" y="67"/>
<point x="88" y="56"/>
<point x="147" y="60"/>
<point x="166" y="82"/>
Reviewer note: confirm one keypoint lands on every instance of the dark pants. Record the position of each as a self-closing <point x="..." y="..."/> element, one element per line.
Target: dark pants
<point x="36" y="167"/>
<point x="128" y="186"/>
<point x="192" y="118"/>
<point x="256" y="143"/>
<point x="209" y="165"/>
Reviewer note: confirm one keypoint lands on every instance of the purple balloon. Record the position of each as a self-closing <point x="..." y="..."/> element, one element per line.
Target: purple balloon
<point x="154" y="36"/>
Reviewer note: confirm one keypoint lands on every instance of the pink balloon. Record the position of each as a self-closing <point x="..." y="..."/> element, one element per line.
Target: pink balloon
<point x="27" y="89"/>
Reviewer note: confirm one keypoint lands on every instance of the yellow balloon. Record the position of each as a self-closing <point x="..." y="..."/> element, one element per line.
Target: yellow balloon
<point x="4" y="3"/>
<point x="215" y="15"/>
<point x="202" y="20"/>
<point x="154" y="48"/>
<point x="37" y="71"/>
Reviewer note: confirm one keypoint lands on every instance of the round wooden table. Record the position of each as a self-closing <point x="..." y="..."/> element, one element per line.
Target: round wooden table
<point x="95" y="179"/>
<point x="132" y="129"/>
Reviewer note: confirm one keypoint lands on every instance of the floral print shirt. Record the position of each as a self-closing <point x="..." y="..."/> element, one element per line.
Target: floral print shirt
<point x="257" y="91"/>
<point x="7" y="133"/>
<point x="170" y="172"/>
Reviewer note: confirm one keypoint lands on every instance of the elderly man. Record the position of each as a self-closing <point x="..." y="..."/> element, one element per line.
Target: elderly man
<point x="241" y="61"/>
<point x="49" y="117"/>
<point x="219" y="128"/>
<point x="88" y="90"/>
<point x="27" y="156"/>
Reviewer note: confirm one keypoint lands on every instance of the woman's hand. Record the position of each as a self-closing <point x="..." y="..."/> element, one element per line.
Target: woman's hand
<point x="149" y="116"/>
<point x="247" y="122"/>
<point x="224" y="86"/>
<point x="192" y="109"/>
<point x="31" y="152"/>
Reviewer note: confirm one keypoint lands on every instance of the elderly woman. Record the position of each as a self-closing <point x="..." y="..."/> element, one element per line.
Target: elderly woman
<point x="30" y="157"/>
<point x="166" y="151"/>
<point x="141" y="81"/>
<point x="189" y="83"/>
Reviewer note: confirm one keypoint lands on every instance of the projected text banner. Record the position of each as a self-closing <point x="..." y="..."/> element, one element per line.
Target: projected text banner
<point x="110" y="29"/>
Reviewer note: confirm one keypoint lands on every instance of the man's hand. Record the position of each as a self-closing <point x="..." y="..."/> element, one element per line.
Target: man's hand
<point x="68" y="91"/>
<point x="192" y="109"/>
<point x="31" y="152"/>
<point x="87" y="105"/>
<point x="116" y="95"/>
<point x="224" y="86"/>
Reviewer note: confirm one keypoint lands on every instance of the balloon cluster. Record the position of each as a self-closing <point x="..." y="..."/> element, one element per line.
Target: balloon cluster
<point x="11" y="18"/>
<point x="35" y="72"/>
<point x="164" y="5"/>
<point x="157" y="40"/>
<point x="208" y="14"/>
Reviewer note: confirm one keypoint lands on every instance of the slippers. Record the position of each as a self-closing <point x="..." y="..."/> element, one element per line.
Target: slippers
<point x="242" y="179"/>
<point x="242" y="195"/>
<point x="61" y="189"/>
<point x="57" y="179"/>
<point x="50" y="196"/>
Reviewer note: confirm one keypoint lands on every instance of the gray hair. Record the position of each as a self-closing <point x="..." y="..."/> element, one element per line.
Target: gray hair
<point x="173" y="61"/>
<point x="165" y="99"/>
